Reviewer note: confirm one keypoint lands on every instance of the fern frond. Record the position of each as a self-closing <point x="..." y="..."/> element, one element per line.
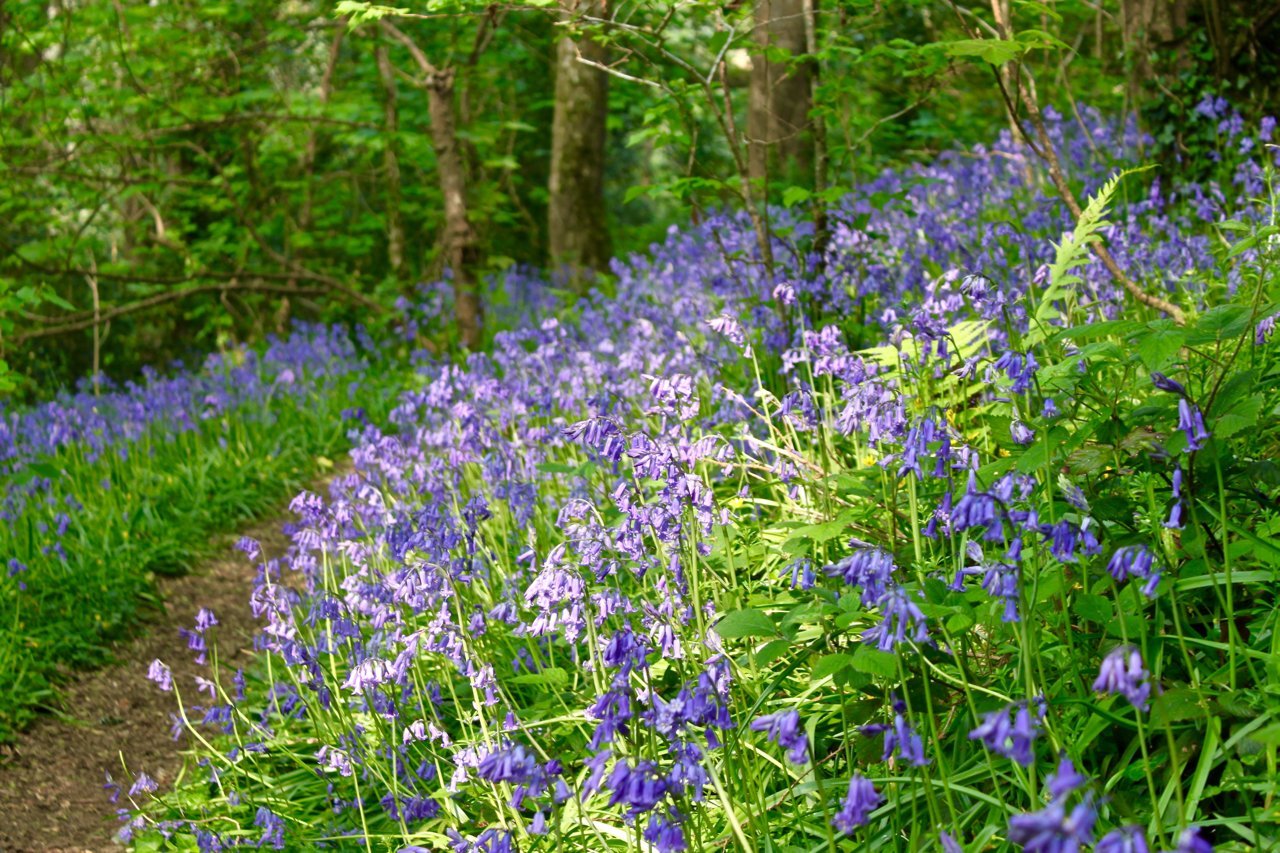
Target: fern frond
<point x="1074" y="250"/>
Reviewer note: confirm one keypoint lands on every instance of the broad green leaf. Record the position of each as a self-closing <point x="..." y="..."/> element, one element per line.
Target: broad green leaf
<point x="745" y="623"/>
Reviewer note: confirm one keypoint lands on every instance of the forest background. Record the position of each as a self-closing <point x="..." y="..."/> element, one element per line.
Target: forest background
<point x="179" y="177"/>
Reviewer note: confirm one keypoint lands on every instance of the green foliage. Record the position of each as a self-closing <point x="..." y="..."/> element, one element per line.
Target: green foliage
<point x="157" y="146"/>
<point x="142" y="508"/>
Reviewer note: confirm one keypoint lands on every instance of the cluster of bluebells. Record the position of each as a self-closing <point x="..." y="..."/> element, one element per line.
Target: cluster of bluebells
<point x="503" y="610"/>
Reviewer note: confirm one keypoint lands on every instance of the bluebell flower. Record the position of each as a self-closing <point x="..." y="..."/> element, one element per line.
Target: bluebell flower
<point x="1191" y="422"/>
<point x="902" y="619"/>
<point x="1265" y="329"/>
<point x="800" y="573"/>
<point x="1123" y="674"/>
<point x="1019" y="367"/>
<point x="1053" y="829"/>
<point x="905" y="739"/>
<point x="640" y="787"/>
<point x="1021" y="433"/>
<point x="783" y="728"/>
<point x="1191" y="840"/>
<point x="1135" y="561"/>
<point x="1164" y="383"/>
<point x="1064" y="779"/>
<point x="272" y="826"/>
<point x="1013" y="740"/>
<point x="859" y="802"/>
<point x="1126" y="839"/>
<point x="665" y="833"/>
<point x="161" y="675"/>
<point x="514" y="765"/>
<point x="143" y="784"/>
<point x="868" y="568"/>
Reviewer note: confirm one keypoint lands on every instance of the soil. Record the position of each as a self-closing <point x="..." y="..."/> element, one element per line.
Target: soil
<point x="51" y="780"/>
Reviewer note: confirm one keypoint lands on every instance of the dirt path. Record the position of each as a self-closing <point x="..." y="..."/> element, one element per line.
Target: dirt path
<point x="51" y="781"/>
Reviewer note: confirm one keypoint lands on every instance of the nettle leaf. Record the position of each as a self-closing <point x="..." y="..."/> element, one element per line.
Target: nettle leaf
<point x="745" y="623"/>
<point x="792" y="196"/>
<point x="1095" y="608"/>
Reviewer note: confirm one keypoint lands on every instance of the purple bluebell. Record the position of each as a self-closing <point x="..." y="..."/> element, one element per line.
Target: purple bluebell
<point x="859" y="802"/>
<point x="868" y="568"/>
<point x="783" y="728"/>
<point x="161" y="675"/>
<point x="1054" y="829"/>
<point x="1126" y="839"/>
<point x="1164" y="383"/>
<point x="901" y="621"/>
<point x="1065" y="779"/>
<point x="1135" y="561"/>
<point x="1123" y="674"/>
<point x="1265" y="329"/>
<point x="1192" y="840"/>
<point x="665" y="833"/>
<point x="640" y="787"/>
<point x="1012" y="739"/>
<point x="143" y="784"/>
<point x="1191" y="422"/>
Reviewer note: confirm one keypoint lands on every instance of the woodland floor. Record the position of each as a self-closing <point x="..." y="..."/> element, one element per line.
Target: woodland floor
<point x="51" y="780"/>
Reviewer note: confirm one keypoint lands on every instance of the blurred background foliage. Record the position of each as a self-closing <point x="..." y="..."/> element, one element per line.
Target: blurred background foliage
<point x="176" y="176"/>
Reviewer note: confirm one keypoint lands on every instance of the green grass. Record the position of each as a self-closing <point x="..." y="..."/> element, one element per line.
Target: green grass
<point x="167" y="498"/>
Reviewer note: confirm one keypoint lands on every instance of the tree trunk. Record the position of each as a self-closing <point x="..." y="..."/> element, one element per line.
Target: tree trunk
<point x="391" y="162"/>
<point x="780" y="138"/>
<point x="1151" y="25"/>
<point x="460" y="246"/>
<point x="576" y="226"/>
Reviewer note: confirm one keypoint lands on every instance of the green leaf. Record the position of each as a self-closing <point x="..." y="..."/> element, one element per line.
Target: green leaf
<point x="1158" y="347"/>
<point x="1221" y="323"/>
<point x="1094" y="608"/>
<point x="872" y="661"/>
<point x="552" y="676"/>
<point x="792" y="196"/>
<point x="771" y="651"/>
<point x="992" y="51"/>
<point x="1175" y="705"/>
<point x="830" y="665"/>
<point x="745" y="623"/>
